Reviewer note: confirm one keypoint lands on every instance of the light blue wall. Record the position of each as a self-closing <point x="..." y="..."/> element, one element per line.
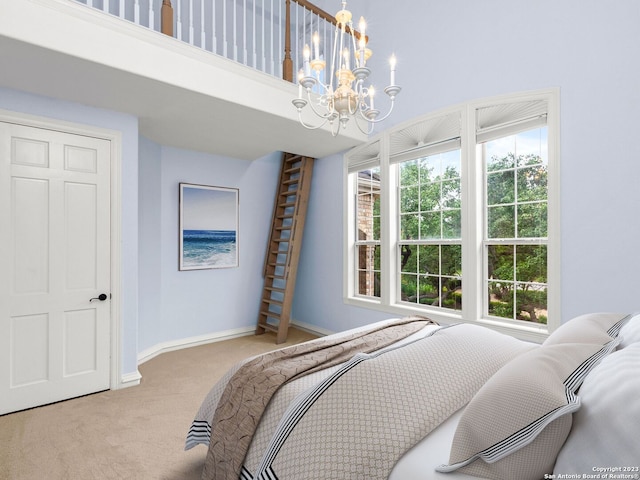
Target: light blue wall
<point x="127" y="125"/>
<point x="453" y="51"/>
<point x="150" y="246"/>
<point x="176" y="305"/>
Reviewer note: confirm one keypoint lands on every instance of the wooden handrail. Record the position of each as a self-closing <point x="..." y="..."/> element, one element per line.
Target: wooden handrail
<point x="324" y="15"/>
<point x="316" y="10"/>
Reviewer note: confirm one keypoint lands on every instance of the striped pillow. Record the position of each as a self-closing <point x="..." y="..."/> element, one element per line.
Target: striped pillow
<point x="517" y="422"/>
<point x="589" y="328"/>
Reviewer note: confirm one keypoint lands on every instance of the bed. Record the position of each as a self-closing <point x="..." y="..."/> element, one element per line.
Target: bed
<point x="407" y="399"/>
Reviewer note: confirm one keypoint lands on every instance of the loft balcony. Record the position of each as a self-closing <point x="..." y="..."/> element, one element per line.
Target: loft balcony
<point x="213" y="86"/>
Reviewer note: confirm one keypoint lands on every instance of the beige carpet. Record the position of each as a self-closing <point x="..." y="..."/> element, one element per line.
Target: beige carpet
<point x="134" y="433"/>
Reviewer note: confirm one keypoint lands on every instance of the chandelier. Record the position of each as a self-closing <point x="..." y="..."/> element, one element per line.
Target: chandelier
<point x="345" y="95"/>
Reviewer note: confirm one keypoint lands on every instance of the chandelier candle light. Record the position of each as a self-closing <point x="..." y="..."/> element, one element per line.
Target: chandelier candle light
<point x="350" y="98"/>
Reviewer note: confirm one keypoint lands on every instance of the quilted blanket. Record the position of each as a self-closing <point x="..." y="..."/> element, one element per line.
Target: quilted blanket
<point x="362" y="418"/>
<point x="249" y="389"/>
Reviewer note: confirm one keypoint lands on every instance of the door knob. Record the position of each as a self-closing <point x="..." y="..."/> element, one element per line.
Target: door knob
<point x="102" y="297"/>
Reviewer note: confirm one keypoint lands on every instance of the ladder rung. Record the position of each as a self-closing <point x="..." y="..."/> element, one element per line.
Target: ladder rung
<point x="289" y="193"/>
<point x="291" y="181"/>
<point x="268" y="326"/>
<point x="276" y="277"/>
<point x="284" y="227"/>
<point x="275" y="289"/>
<point x="271" y="301"/>
<point x="282" y="217"/>
<point x="287" y="205"/>
<point x="268" y="314"/>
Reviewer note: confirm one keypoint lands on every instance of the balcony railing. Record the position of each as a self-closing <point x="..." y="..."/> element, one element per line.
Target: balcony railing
<point x="267" y="35"/>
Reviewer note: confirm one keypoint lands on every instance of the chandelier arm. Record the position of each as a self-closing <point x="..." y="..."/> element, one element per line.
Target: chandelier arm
<point x="378" y="120"/>
<point x="335" y="132"/>
<point x="370" y="124"/>
<point x="330" y="112"/>
<point x="310" y="127"/>
<point x="356" y="107"/>
<point x="361" y="103"/>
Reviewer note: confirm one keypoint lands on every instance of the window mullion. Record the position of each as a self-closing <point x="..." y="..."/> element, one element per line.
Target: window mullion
<point x="553" y="218"/>
<point x="472" y="224"/>
<point x="388" y="225"/>
<point x="350" y="229"/>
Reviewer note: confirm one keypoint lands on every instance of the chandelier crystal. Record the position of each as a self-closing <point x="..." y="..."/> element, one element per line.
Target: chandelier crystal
<point x="345" y="96"/>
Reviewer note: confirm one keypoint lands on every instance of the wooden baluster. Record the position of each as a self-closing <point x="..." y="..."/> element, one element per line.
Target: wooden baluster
<point x="166" y="21"/>
<point x="287" y="64"/>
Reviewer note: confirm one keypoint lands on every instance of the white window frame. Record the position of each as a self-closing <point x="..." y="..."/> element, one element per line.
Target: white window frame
<point x="473" y="267"/>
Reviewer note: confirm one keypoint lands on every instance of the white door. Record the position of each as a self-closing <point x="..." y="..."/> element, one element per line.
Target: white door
<point x="54" y="259"/>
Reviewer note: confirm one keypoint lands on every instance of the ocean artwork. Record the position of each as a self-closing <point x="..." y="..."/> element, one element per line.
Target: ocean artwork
<point x="208" y="227"/>
<point x="203" y="248"/>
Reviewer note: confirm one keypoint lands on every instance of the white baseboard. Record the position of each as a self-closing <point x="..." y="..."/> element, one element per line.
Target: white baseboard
<point x="164" y="347"/>
<point x="130" y="379"/>
<point x="307" y="327"/>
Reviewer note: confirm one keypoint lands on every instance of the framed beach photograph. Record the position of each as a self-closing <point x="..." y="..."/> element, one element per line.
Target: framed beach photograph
<point x="208" y="227"/>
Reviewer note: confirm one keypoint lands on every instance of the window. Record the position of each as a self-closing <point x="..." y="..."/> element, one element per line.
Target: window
<point x="429" y="245"/>
<point x="368" y="232"/>
<point x="364" y="234"/>
<point x="515" y="243"/>
<point x="455" y="215"/>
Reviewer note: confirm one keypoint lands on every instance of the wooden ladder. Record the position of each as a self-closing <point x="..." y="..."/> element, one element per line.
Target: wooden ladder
<point x="285" y="241"/>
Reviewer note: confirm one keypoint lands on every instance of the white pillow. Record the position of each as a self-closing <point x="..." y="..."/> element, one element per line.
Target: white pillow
<point x="517" y="422"/>
<point x="589" y="328"/>
<point x="605" y="429"/>
<point x="630" y="333"/>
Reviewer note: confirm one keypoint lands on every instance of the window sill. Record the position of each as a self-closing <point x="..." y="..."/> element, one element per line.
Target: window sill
<point x="535" y="333"/>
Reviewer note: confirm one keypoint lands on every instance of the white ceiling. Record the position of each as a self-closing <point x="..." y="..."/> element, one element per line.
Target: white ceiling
<point x="183" y="96"/>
